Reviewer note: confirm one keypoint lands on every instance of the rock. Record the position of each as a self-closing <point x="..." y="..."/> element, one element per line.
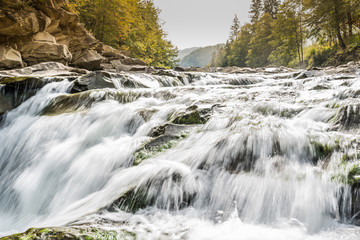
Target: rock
<point x="37" y="52"/>
<point x="90" y="60"/>
<point x="193" y="116"/>
<point x="73" y="232"/>
<point x="138" y="69"/>
<point x="348" y="117"/>
<point x="119" y="66"/>
<point x="10" y="58"/>
<point x="169" y="129"/>
<point x="21" y="23"/>
<point x="44" y="37"/>
<point x="132" y="61"/>
<point x="179" y="69"/>
<point x="93" y="80"/>
<point x="50" y="69"/>
<point x="112" y="53"/>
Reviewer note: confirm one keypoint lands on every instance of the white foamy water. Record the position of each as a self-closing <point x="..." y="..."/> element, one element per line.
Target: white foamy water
<point x="267" y="165"/>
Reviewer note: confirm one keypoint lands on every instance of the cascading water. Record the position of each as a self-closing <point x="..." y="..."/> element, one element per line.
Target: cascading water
<point x="270" y="158"/>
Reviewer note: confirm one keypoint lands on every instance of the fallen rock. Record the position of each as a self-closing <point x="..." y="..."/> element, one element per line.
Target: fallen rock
<point x="41" y="51"/>
<point x="112" y="54"/>
<point x="10" y="58"/>
<point x="132" y="61"/>
<point x="90" y="60"/>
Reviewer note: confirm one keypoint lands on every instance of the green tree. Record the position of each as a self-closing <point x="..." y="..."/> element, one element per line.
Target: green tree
<point x="240" y="47"/>
<point x="255" y="10"/>
<point x="260" y="47"/>
<point x="287" y="36"/>
<point x="271" y="7"/>
<point x="130" y="25"/>
<point x="325" y="18"/>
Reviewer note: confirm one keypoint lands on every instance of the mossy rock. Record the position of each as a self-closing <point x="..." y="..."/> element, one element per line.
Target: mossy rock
<point x="27" y="82"/>
<point x="354" y="175"/>
<point x="197" y="116"/>
<point x="131" y="201"/>
<point x="71" y="233"/>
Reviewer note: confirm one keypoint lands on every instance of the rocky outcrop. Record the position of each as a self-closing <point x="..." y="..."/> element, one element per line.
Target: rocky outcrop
<point x="10" y="58"/>
<point x="47" y="30"/>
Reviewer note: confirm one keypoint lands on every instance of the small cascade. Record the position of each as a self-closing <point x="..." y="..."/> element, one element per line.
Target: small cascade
<point x="184" y="155"/>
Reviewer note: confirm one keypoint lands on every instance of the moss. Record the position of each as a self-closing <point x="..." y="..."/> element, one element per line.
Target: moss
<point x="191" y="118"/>
<point x="71" y="234"/>
<point x="354" y="175"/>
<point x="144" y="153"/>
<point x="131" y="201"/>
<point x="322" y="150"/>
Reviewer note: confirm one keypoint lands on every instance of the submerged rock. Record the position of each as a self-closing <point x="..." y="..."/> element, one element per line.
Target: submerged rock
<point x="348" y="117"/>
<point x="70" y="233"/>
<point x="193" y="115"/>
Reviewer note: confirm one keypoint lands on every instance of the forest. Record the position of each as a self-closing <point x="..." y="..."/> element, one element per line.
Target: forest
<point x="132" y="26"/>
<point x="294" y="33"/>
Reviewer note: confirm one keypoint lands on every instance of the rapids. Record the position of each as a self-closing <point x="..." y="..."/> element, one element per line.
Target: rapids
<point x="271" y="161"/>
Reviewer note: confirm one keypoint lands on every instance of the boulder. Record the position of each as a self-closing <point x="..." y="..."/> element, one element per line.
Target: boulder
<point x="112" y="53"/>
<point x="21" y="23"/>
<point x="38" y="51"/>
<point x="10" y="58"/>
<point x="90" y="60"/>
<point x="132" y="61"/>
<point x="119" y="66"/>
<point x="93" y="80"/>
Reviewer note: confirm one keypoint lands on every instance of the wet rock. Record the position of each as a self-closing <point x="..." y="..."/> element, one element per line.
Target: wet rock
<point x="348" y="117"/>
<point x="93" y="80"/>
<point x="49" y="69"/>
<point x="89" y="60"/>
<point x="193" y="116"/>
<point x="138" y="69"/>
<point x="10" y="58"/>
<point x="70" y="233"/>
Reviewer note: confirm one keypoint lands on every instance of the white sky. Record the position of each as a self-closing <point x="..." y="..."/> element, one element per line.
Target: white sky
<point x="199" y="23"/>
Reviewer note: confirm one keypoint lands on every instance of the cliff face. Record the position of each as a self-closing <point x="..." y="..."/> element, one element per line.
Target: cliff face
<point x="35" y="31"/>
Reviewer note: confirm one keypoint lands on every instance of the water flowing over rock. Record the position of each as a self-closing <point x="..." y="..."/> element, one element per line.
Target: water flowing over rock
<point x="261" y="154"/>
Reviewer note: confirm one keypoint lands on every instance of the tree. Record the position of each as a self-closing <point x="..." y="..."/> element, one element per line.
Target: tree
<point x="260" y="47"/>
<point x="286" y="37"/>
<point x="255" y="10"/>
<point x="234" y="29"/>
<point x="130" y="25"/>
<point x="240" y="47"/>
<point x="271" y="7"/>
<point x="325" y="17"/>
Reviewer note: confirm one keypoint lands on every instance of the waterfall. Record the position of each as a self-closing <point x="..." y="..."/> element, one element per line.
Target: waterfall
<point x="269" y="156"/>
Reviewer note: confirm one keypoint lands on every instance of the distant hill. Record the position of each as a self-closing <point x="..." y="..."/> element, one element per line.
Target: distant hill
<point x="183" y="53"/>
<point x="200" y="57"/>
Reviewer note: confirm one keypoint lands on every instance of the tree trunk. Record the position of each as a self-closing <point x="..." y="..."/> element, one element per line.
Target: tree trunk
<point x="350" y="23"/>
<point x="337" y="26"/>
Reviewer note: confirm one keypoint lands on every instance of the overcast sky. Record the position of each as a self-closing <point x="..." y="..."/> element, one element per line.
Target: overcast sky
<point x="198" y="23"/>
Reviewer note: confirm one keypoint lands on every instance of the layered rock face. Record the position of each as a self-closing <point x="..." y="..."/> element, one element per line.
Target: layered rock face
<point x="46" y="30"/>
